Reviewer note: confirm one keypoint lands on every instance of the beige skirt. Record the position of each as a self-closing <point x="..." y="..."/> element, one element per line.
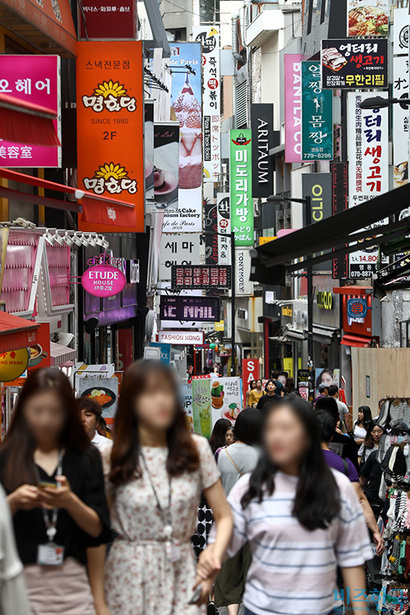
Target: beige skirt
<point x="59" y="590"/>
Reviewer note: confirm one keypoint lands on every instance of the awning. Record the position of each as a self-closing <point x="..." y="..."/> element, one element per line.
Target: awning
<point x="61" y="354"/>
<point x="45" y="24"/>
<point x="25" y="122"/>
<point x="357" y="341"/>
<point x="16" y="332"/>
<point x="322" y="333"/>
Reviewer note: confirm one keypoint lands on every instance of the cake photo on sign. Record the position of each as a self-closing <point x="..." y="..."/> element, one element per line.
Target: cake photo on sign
<point x="188" y="112"/>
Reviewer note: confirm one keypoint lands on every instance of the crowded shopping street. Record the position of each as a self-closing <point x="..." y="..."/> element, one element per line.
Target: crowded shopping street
<point x="204" y="307"/>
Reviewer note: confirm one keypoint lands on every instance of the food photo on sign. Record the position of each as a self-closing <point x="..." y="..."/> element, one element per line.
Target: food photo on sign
<point x="102" y="390"/>
<point x="166" y="166"/>
<point x="368" y="17"/>
<point x="350" y="64"/>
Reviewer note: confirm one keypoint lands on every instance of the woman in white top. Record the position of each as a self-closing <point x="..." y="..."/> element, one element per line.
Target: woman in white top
<point x="371" y="442"/>
<point x="364" y="418"/>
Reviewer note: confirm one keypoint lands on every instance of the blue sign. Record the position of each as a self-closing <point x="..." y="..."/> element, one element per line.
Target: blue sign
<point x="357" y="308"/>
<point x="165" y="351"/>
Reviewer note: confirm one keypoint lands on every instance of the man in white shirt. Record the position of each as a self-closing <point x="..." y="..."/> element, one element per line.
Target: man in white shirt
<point x="91" y="414"/>
<point x="344" y="414"/>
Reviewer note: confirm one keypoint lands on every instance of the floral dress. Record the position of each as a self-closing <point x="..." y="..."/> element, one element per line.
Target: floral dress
<point x="139" y="578"/>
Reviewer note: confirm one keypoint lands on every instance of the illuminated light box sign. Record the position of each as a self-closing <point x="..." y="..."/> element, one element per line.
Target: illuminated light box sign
<point x="201" y="277"/>
<point x="181" y="338"/>
<point x="104" y="277"/>
<point x="197" y="309"/>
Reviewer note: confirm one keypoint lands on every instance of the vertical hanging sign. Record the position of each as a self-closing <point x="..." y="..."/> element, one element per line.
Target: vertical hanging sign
<point x="293" y="107"/>
<point x="400" y="122"/>
<point x="240" y="173"/>
<point x="262" y="142"/>
<point x="224" y="226"/>
<point x="339" y="203"/>
<point x="317" y="115"/>
<point x="211" y="136"/>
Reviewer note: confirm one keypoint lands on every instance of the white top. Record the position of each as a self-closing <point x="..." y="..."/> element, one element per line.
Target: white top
<point x="101" y="442"/>
<point x="359" y="433"/>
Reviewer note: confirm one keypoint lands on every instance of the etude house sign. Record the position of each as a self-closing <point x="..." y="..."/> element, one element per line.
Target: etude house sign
<point x="104" y="277"/>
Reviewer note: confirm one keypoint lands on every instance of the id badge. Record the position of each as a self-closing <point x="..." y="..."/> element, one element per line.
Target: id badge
<point x="50" y="555"/>
<point x="173" y="552"/>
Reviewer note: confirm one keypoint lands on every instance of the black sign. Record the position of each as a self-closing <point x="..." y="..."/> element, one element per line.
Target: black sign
<point x="211" y="226"/>
<point x="354" y="63"/>
<point x="183" y="309"/>
<point x="319" y="187"/>
<point x="201" y="277"/>
<point x="340" y="267"/>
<point x="262" y="142"/>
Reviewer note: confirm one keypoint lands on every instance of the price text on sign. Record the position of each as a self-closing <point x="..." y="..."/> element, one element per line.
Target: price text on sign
<point x="201" y="277"/>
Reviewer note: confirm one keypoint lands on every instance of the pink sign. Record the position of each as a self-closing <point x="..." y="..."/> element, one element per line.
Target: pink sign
<point x="104" y="277"/>
<point x="293" y="108"/>
<point x="34" y="79"/>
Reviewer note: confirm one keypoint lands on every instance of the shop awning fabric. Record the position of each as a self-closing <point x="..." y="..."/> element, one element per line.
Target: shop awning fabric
<point x="16" y="332"/>
<point x="339" y="233"/>
<point x="25" y="122"/>
<point x="60" y="354"/>
<point x="357" y="341"/>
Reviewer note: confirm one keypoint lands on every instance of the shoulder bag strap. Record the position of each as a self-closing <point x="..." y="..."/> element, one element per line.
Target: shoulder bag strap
<point x="233" y="463"/>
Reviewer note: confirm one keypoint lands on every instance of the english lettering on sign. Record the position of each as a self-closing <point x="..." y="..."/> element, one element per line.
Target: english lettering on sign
<point x="262" y="142"/>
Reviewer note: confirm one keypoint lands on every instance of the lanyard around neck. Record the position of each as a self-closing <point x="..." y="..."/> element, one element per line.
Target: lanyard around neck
<point x="51" y="524"/>
<point x="166" y="516"/>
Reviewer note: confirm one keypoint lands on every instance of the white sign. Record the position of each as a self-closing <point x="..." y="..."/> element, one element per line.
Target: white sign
<point x="368" y="154"/>
<point x="151" y="352"/>
<point x="223" y="206"/>
<point x="243" y="286"/>
<point x="211" y="103"/>
<point x="181" y="338"/>
<point x="178" y="250"/>
<point x="400" y="122"/>
<point x="401" y="32"/>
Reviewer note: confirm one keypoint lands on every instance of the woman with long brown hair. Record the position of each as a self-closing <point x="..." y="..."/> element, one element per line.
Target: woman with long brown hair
<point x="55" y="488"/>
<point x="158" y="470"/>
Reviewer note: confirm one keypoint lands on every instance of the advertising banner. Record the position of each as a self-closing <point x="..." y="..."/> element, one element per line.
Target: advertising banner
<point x="201" y="406"/>
<point x="195" y="309"/>
<point x="186" y="98"/>
<point x="401" y="32"/>
<point x="262" y="142"/>
<point x="367" y="17"/>
<point x="317" y="115"/>
<point x="166" y="166"/>
<point x="250" y="372"/>
<point x="400" y="122"/>
<point x="110" y="124"/>
<point x="318" y="186"/>
<point x="201" y="277"/>
<point x="211" y="229"/>
<point x="293" y="107"/>
<point x="358" y="64"/>
<point x="149" y="149"/>
<point x="224" y="227"/>
<point x="102" y="390"/>
<point x="116" y="19"/>
<point x="33" y="79"/>
<point x="240" y="165"/>
<point x="213" y="400"/>
<point x="185" y="392"/>
<point x="368" y="155"/>
<point x="178" y="250"/>
<point x="339" y="203"/>
<point x="209" y="37"/>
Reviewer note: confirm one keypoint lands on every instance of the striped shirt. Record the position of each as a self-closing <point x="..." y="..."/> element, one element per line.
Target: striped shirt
<point x="293" y="570"/>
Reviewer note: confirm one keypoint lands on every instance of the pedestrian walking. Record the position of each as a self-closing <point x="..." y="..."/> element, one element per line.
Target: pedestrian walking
<point x="301" y="519"/>
<point x="233" y="463"/>
<point x="360" y="426"/>
<point x="55" y="487"/>
<point x="269" y="395"/>
<point x="252" y="386"/>
<point x="217" y="441"/>
<point x="91" y="414"/>
<point x="371" y="442"/>
<point x="158" y="471"/>
<point x="256" y="393"/>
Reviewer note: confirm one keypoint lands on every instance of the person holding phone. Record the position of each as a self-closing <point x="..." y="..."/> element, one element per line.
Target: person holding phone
<point x="158" y="471"/>
<point x="55" y="488"/>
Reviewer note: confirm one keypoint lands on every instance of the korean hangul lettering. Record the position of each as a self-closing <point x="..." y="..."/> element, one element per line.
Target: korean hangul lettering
<point x="375" y="172"/>
<point x="358" y="60"/>
<point x="4" y="84"/>
<point x="98" y="64"/>
<point x="126" y="64"/>
<point x="107" y="64"/>
<point x="23" y="85"/>
<point x="318" y="136"/>
<point x="317" y="121"/>
<point x="373" y="135"/>
<point x="375" y="151"/>
<point x="116" y="64"/>
<point x="187" y="245"/>
<point x="372" y="120"/>
<point x="172" y="245"/>
<point x="241" y="155"/>
<point x="241" y="185"/>
<point x="342" y="594"/>
<point x="89" y="65"/>
<point x="43" y="85"/>
<point x="242" y="213"/>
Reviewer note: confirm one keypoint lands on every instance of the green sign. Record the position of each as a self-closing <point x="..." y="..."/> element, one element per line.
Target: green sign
<point x="240" y="172"/>
<point x="201" y="406"/>
<point x="317" y="115"/>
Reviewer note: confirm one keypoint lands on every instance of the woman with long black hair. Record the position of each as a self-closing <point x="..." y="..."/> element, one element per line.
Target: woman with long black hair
<point x="301" y="519"/>
<point x="360" y="426"/>
<point x="55" y="488"/>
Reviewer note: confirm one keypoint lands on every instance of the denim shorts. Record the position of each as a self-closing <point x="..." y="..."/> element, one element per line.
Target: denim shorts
<point x="336" y="611"/>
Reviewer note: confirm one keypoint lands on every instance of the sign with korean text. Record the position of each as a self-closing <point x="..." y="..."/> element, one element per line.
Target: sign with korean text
<point x="354" y="64"/>
<point x="317" y="115"/>
<point x="110" y="123"/>
<point x="262" y="142"/>
<point x="181" y="338"/>
<point x="103" y="19"/>
<point x="211" y="137"/>
<point x="104" y="276"/>
<point x="240" y="165"/>
<point x="367" y="142"/>
<point x="178" y="250"/>
<point x="195" y="309"/>
<point x="339" y="170"/>
<point x="201" y="277"/>
<point x="33" y="79"/>
<point x="367" y="17"/>
<point x="223" y="205"/>
<point x="293" y="107"/>
<point x="400" y="121"/>
<point x="401" y="32"/>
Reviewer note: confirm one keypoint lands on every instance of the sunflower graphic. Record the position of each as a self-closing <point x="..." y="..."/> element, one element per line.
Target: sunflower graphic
<point x="113" y="88"/>
<point x="109" y="170"/>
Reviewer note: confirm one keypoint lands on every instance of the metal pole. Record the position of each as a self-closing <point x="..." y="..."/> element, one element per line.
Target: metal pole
<point x="309" y="274"/>
<point x="233" y="306"/>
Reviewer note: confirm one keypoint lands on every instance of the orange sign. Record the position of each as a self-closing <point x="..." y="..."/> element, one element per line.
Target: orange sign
<point x="110" y="132"/>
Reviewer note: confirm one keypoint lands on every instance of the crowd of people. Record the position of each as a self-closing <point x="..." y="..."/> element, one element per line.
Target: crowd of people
<point x="292" y="489"/>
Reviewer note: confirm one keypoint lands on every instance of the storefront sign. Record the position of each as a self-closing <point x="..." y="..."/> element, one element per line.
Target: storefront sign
<point x="354" y="64"/>
<point x="339" y="203"/>
<point x="149" y="149"/>
<point x="368" y="154"/>
<point x="34" y="79"/>
<point x="101" y="389"/>
<point x="324" y="300"/>
<point x="181" y="338"/>
<point x="211" y="230"/>
<point x="240" y="165"/>
<point x="165" y="351"/>
<point x="195" y="309"/>
<point x="243" y="285"/>
<point x="250" y="372"/>
<point x="13" y="364"/>
<point x="293" y="108"/>
<point x="317" y="115"/>
<point x="318" y="186"/>
<point x="287" y="313"/>
<point x="166" y="164"/>
<point x="104" y="277"/>
<point x="115" y="19"/>
<point x="401" y="32"/>
<point x="178" y="250"/>
<point x="110" y="123"/>
<point x="367" y="17"/>
<point x="356" y="308"/>
<point x="303" y="383"/>
<point x="201" y="277"/>
<point x="223" y="205"/>
<point x="400" y="121"/>
<point x="209" y="37"/>
<point x="262" y="142"/>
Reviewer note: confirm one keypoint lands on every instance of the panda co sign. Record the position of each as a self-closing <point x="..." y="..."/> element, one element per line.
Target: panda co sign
<point x="104" y="277"/>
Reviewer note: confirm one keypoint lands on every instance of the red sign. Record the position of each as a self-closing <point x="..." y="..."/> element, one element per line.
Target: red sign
<point x="201" y="276"/>
<point x="250" y="371"/>
<point x="101" y="19"/>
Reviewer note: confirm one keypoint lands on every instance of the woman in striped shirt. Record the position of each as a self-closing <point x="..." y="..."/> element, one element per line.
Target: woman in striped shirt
<point x="301" y="519"/>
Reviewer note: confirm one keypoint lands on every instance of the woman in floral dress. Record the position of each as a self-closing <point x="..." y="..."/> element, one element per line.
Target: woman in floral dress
<point x="158" y="471"/>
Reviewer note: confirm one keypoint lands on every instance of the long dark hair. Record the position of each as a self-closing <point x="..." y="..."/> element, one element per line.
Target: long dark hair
<point x="19" y="444"/>
<point x="183" y="455"/>
<point x="367" y="416"/>
<point x="218" y="434"/>
<point x="369" y="441"/>
<point x="317" y="499"/>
